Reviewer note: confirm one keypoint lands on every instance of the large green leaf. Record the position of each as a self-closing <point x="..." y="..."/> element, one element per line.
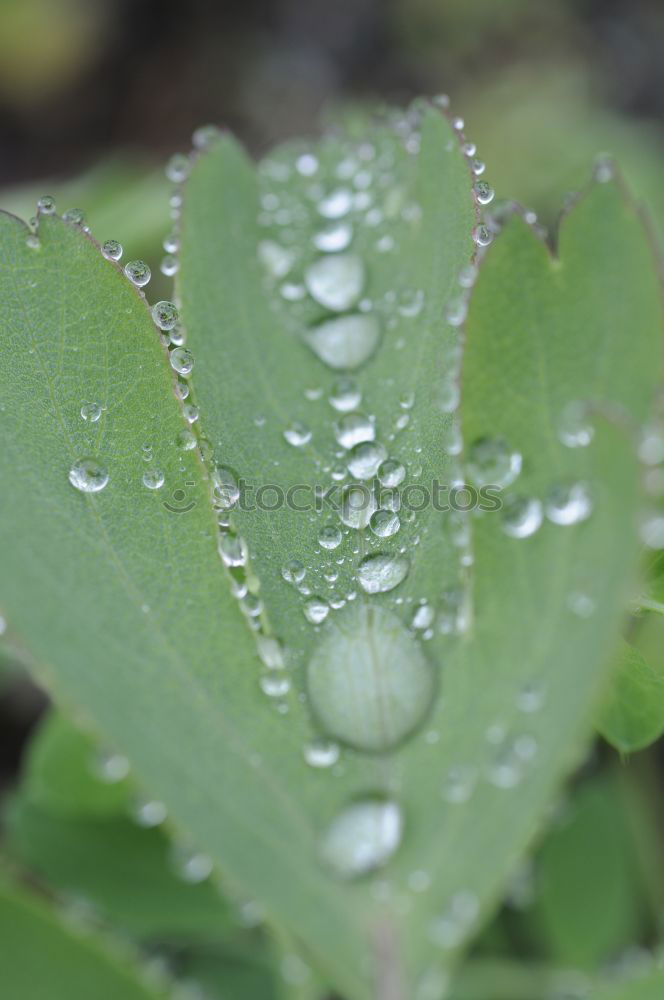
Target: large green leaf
<point x="44" y="959"/>
<point x="176" y="686"/>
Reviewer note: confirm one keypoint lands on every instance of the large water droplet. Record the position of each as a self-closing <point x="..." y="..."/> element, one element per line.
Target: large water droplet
<point x="138" y="272"/>
<point x="381" y="573"/>
<point x="88" y="475"/>
<point x="112" y="250"/>
<point x="165" y="315"/>
<point x="336" y="282"/>
<point x="569" y="504"/>
<point x="385" y="523"/>
<point x="369" y="683"/>
<point x="363" y="837"/>
<point x="182" y="360"/>
<point x="391" y="473"/>
<point x="492" y="463"/>
<point x="346" y="341"/>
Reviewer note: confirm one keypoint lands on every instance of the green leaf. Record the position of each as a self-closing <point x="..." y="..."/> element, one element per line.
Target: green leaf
<point x="44" y="959"/>
<point x="127" y="873"/>
<point x="648" y="988"/>
<point x="63" y="773"/>
<point x="586" y="902"/>
<point x="631" y="715"/>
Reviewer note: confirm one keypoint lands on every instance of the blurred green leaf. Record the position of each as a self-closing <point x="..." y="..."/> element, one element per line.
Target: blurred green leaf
<point x="587" y="903"/>
<point x="44" y="959"/>
<point x="631" y="715"/>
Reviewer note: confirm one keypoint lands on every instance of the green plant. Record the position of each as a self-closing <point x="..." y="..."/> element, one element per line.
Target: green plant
<point x="355" y="705"/>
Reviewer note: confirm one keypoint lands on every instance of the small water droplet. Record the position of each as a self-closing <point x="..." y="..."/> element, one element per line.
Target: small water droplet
<point x="522" y="516"/>
<point x="385" y="523"/>
<point x="232" y="549"/>
<point x="391" y="473"/>
<point x="205" y="136"/>
<point x="111" y="767"/>
<point x="293" y="572"/>
<point x="191" y="866"/>
<point x="112" y="250"/>
<point x="345" y="395"/>
<point x="569" y="504"/>
<point x="651" y="529"/>
<point x="423" y="616"/>
<point x="329" y="537"/>
<point x="91" y="412"/>
<point x="574" y="428"/>
<point x="650" y="447"/>
<point x="335" y="238"/>
<point x="138" y="272"/>
<point x="321" y="753"/>
<point x="358" y="504"/>
<point x="483" y="192"/>
<point x="88" y="475"/>
<point x="353" y="429"/>
<point x="75" y="216"/>
<point x="165" y="315"/>
<point x="46" y="205"/>
<point x="336" y="282"/>
<point x="460" y="783"/>
<point x="492" y="463"/>
<point x="297" y="434"/>
<point x="365" y="458"/>
<point x="178" y="167"/>
<point x="482" y="235"/>
<point x="275" y="685"/>
<point x="186" y="440"/>
<point x="346" y="341"/>
<point x="153" y="479"/>
<point x="363" y="837"/>
<point x="182" y="360"/>
<point x="316" y="610"/>
<point x="337" y="204"/>
<point x="378" y="574"/>
<point x="149" y="812"/>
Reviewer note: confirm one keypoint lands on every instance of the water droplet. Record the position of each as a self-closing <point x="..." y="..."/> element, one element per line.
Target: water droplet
<point x="111" y="767"/>
<point x="171" y="243"/>
<point x="460" y="783"/>
<point x="569" y="504"/>
<point x="169" y="265"/>
<point x="46" y="205"/>
<point x="337" y="204"/>
<point x="580" y="604"/>
<point x="206" y="136"/>
<point x="482" y="235"/>
<point x="91" y="412"/>
<point x="293" y="571"/>
<point x="138" y="272"/>
<point x="492" y="463"/>
<point x="191" y="413"/>
<point x="112" y="250"/>
<point x="149" y="812"/>
<point x="651" y="530"/>
<point x="365" y="458"/>
<point x="297" y="434"/>
<point x="178" y="167"/>
<point x="88" y="475"/>
<point x="651" y="444"/>
<point x="276" y="259"/>
<point x="574" y="427"/>
<point x="334" y="238"/>
<point x="186" y="440"/>
<point x="353" y="429"/>
<point x="363" y="837"/>
<point x="378" y="574"/>
<point x="153" y="479"/>
<point x="451" y="928"/>
<point x="522" y="516"/>
<point x="316" y="610"/>
<point x="75" y="216"/>
<point x="329" y="537"/>
<point x="182" y="360"/>
<point x="321" y="753"/>
<point x="336" y="282"/>
<point x="225" y="487"/>
<point x="232" y="549"/>
<point x="391" y="473"/>
<point x="165" y="315"/>
<point x="358" y="504"/>
<point x="483" y="192"/>
<point x="345" y="395"/>
<point x="532" y="696"/>
<point x="192" y="866"/>
<point x="369" y="683"/>
<point x="346" y="341"/>
<point x="385" y="523"/>
<point x="411" y="302"/>
<point x="275" y="685"/>
<point x="423" y="616"/>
